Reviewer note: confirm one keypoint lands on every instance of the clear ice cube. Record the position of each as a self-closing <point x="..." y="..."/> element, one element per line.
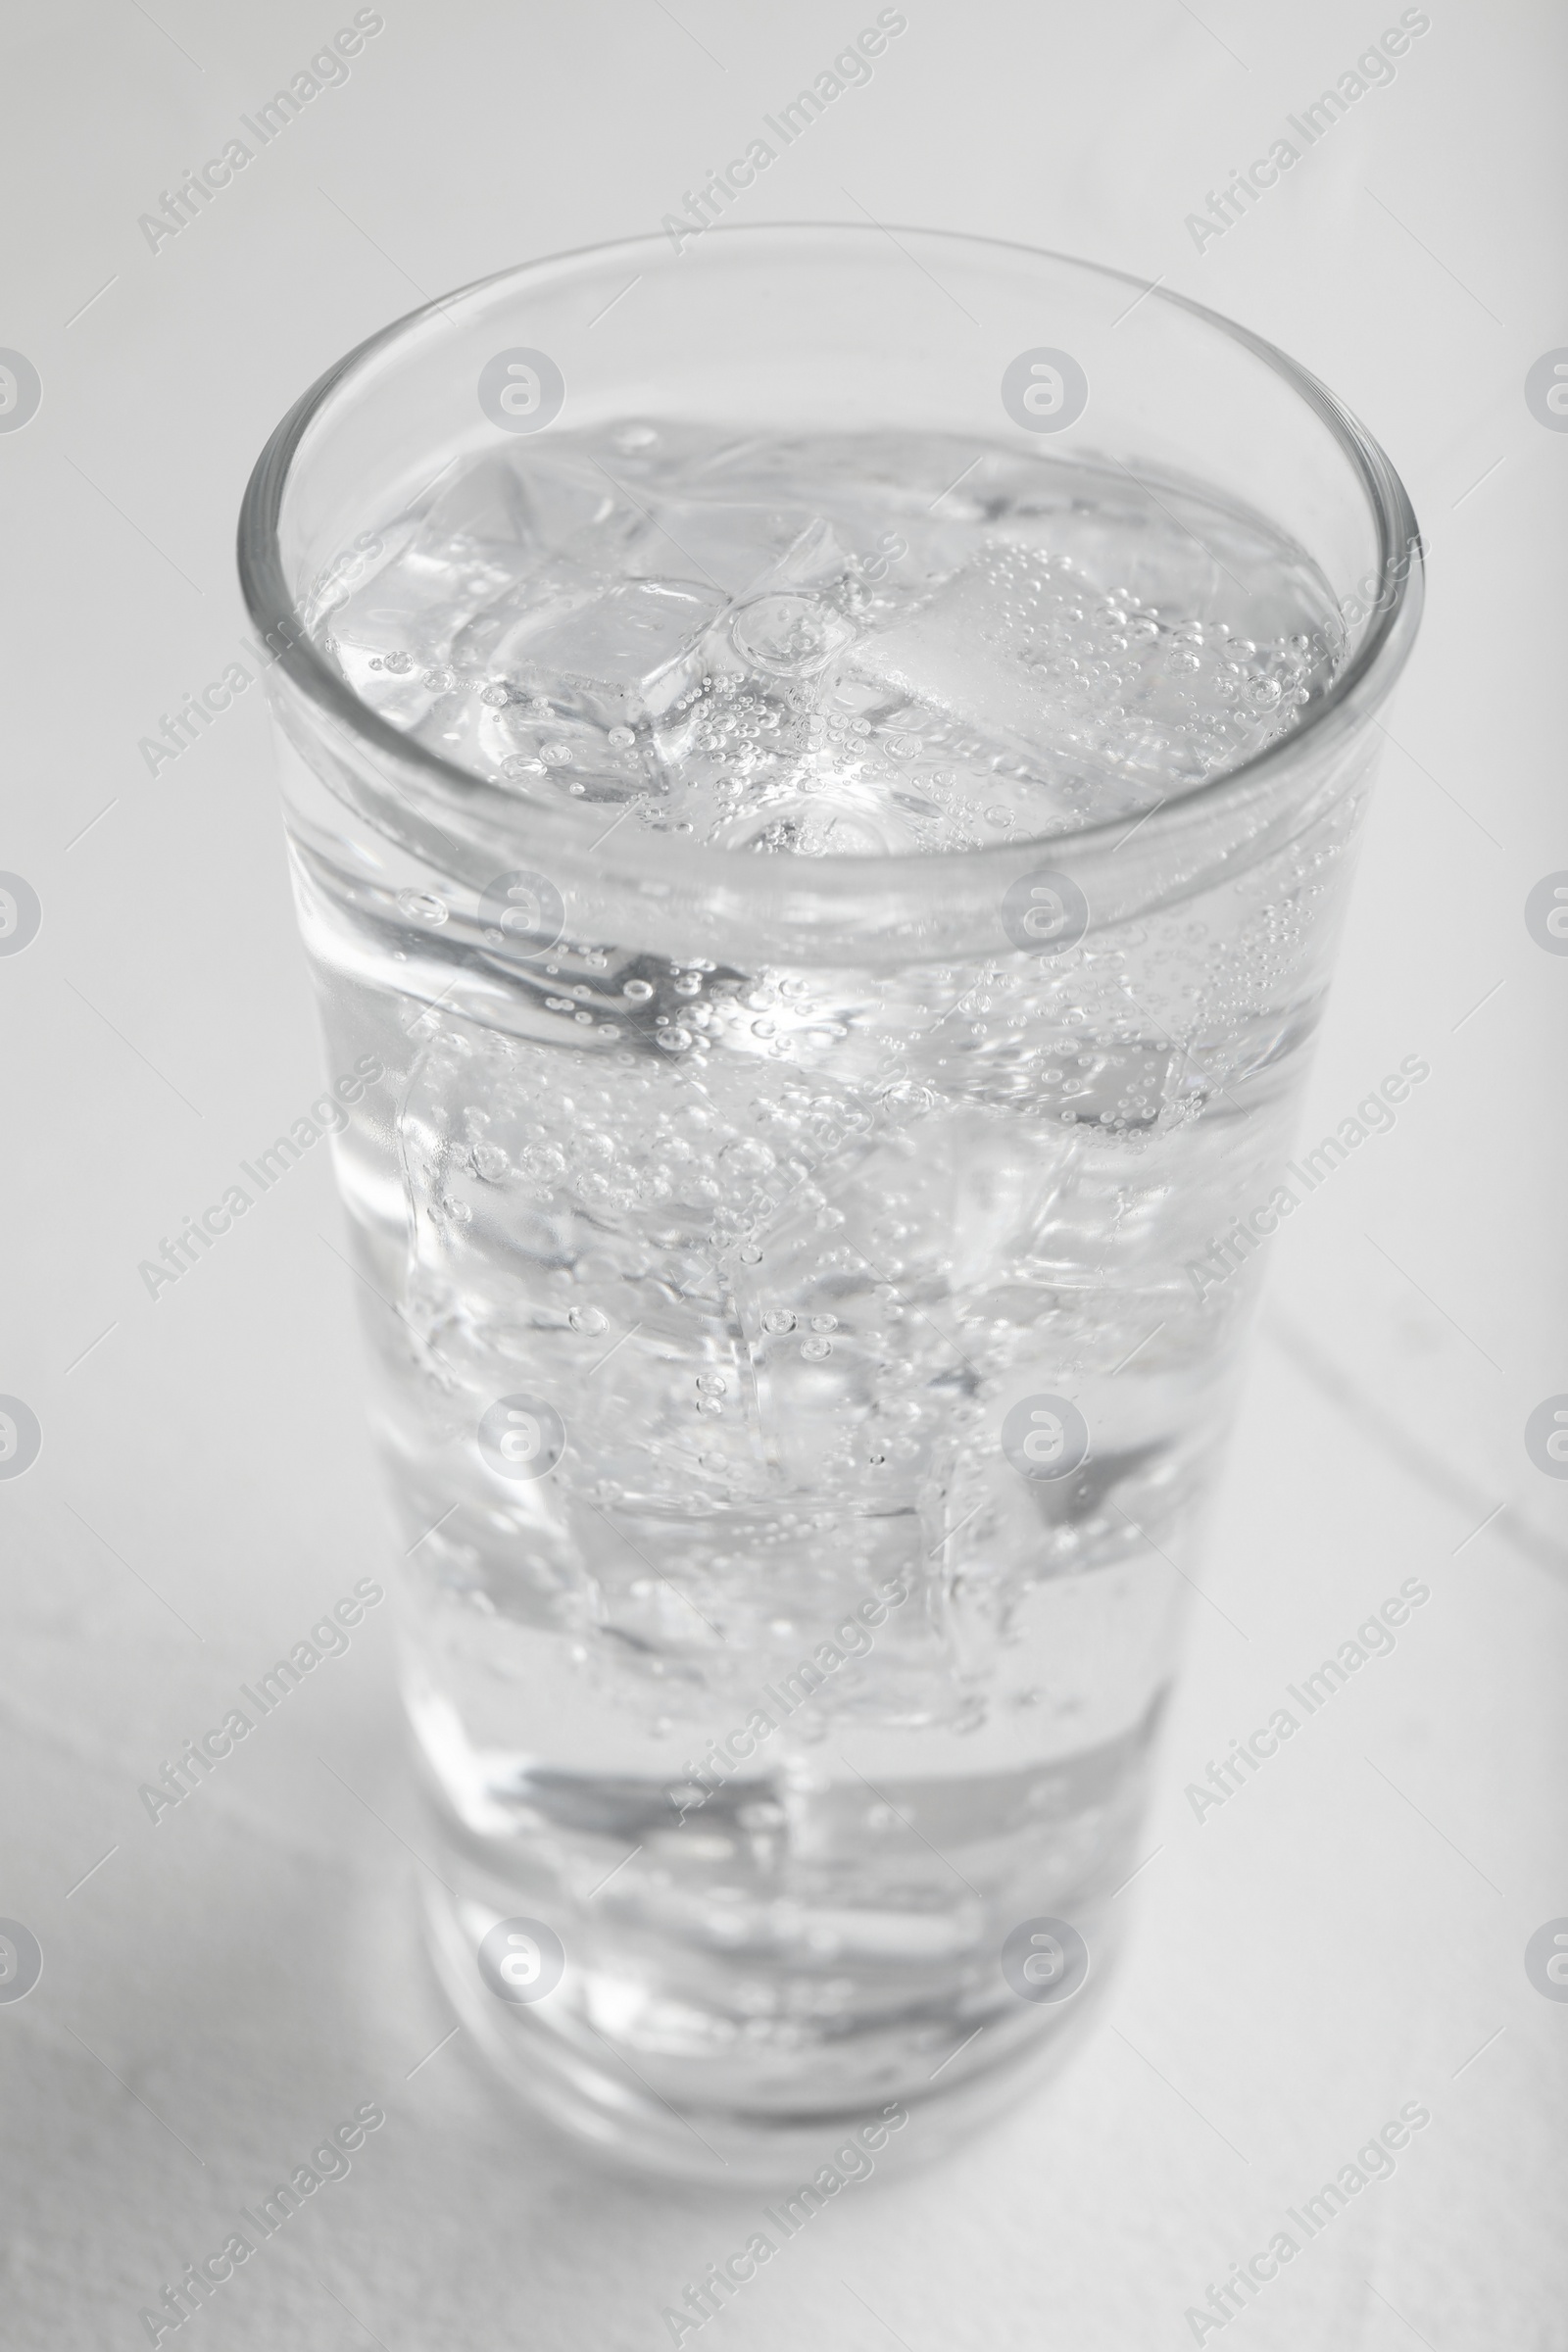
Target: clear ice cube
<point x="394" y="635"/>
<point x="976" y="654"/>
<point x="727" y="545"/>
<point x="829" y="648"/>
<point x="616" y="657"/>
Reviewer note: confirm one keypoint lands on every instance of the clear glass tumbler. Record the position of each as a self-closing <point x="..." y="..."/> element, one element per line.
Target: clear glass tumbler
<point x="807" y="1240"/>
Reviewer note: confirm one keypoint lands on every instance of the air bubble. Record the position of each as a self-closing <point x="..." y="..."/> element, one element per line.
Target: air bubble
<point x="747" y="1157"/>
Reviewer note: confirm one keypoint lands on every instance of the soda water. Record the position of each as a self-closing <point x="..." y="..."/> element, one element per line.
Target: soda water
<point x="799" y="1400"/>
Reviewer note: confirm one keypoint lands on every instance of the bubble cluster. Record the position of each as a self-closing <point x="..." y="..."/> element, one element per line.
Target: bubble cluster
<point x="784" y="1247"/>
<point x="775" y="647"/>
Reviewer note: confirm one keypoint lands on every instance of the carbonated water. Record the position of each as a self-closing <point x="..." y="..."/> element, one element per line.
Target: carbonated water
<point x="799" y="1406"/>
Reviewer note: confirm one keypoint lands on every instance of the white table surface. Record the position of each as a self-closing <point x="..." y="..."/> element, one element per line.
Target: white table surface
<point x="1346" y="1937"/>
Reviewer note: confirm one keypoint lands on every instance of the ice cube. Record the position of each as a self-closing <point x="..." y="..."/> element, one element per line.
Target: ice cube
<point x="391" y="636"/>
<point x="729" y="545"/>
<point x="569" y="494"/>
<point x="1051" y="681"/>
<point x="484" y="509"/>
<point x="403" y="623"/>
<point x="977" y="652"/>
<point x="533" y="504"/>
<point x="613" y="655"/>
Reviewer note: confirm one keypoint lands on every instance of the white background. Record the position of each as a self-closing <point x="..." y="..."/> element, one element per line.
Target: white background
<point x="1342" y="1938"/>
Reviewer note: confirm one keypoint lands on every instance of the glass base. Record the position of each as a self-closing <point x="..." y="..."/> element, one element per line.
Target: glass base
<point x="553" y="2056"/>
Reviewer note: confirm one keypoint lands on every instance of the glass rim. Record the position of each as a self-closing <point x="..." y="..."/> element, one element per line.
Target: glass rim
<point x="1354" y="695"/>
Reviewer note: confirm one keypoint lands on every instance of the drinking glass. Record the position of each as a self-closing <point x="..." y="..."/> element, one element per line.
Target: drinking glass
<point x="806" y="1269"/>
